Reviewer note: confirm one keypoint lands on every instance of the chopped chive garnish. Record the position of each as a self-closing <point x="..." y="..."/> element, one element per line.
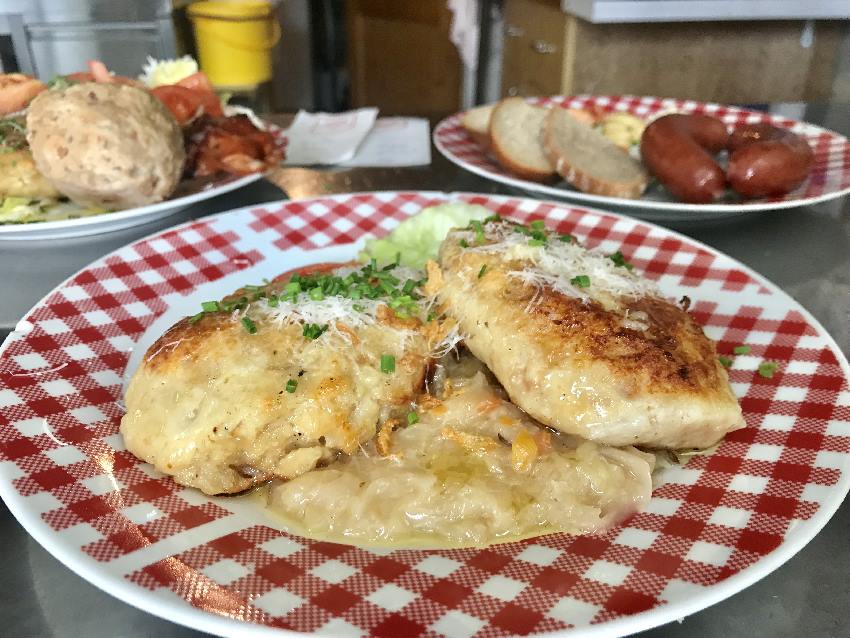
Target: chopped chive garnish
<point x="210" y="306"/>
<point x="358" y="307"/>
<point x="536" y="242"/>
<point x="316" y="294"/>
<point x="387" y="363"/>
<point x="274" y="301"/>
<point x="412" y="418"/>
<point x="291" y="385"/>
<point x="741" y="349"/>
<point x="537" y="224"/>
<point x="479" y="231"/>
<point x="492" y="218"/>
<point x="431" y="316"/>
<point x="463" y="243"/>
<point x="580" y="281"/>
<point x="250" y="326"/>
<point x="726" y="362"/>
<point x="313" y="330"/>
<point x="409" y="285"/>
<point x="619" y="260"/>
<point x="482" y="271"/>
<point x="567" y="238"/>
<point x="196" y="318"/>
<point x="767" y="369"/>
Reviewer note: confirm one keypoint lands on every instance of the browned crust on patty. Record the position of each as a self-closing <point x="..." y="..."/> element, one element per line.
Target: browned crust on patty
<point x="672" y="355"/>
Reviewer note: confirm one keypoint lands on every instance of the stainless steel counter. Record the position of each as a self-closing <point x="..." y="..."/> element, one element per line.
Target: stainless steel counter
<point x="804" y="251"/>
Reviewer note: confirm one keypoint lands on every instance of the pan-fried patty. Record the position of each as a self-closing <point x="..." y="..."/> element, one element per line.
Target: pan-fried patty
<point x="581" y="343"/>
<point x="276" y="380"/>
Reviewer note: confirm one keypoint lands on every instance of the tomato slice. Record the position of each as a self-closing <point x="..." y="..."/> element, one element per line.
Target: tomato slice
<point x="80" y="77"/>
<point x="197" y="81"/>
<point x="200" y="83"/>
<point x="210" y="102"/>
<point x="185" y="103"/>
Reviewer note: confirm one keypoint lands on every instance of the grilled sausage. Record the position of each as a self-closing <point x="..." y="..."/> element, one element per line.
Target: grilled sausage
<point x="767" y="161"/>
<point x="678" y="151"/>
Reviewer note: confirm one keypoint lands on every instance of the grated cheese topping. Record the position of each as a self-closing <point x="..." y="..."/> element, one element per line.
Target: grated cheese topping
<point x="558" y="264"/>
<point x="337" y="315"/>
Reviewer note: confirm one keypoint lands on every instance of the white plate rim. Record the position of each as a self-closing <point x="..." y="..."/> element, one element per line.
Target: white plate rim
<point x="177" y="610"/>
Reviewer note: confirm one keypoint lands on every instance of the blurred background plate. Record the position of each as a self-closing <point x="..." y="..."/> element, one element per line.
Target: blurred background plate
<point x="107" y="222"/>
<point x="829" y="179"/>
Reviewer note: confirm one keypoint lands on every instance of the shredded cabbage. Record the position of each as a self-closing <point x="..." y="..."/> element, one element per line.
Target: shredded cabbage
<point x="159" y="72"/>
<point x="418" y="238"/>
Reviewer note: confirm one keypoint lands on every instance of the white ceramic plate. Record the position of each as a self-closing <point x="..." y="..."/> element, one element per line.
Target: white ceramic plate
<point x="830" y="177"/>
<point x="107" y="222"/>
<point x="223" y="566"/>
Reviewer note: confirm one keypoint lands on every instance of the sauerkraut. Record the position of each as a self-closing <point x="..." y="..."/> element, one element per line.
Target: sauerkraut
<point x="469" y="469"/>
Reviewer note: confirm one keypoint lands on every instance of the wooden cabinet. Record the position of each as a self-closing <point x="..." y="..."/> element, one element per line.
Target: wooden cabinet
<point x="400" y="57"/>
<point x="535" y="37"/>
<point x="550" y="52"/>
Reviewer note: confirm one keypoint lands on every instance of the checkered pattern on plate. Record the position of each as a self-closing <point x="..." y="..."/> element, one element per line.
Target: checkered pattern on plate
<point x="830" y="170"/>
<point x="65" y="473"/>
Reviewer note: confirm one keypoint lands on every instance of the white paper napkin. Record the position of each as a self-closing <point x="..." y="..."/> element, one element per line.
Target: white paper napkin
<point x="395" y="141"/>
<point x="327" y="138"/>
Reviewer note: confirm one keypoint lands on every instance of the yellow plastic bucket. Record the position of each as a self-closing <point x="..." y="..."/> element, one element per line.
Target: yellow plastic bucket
<point x="234" y="40"/>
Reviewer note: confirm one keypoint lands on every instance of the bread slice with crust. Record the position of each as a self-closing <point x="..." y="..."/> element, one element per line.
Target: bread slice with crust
<point x="590" y="161"/>
<point x="515" y="139"/>
<point x="476" y="122"/>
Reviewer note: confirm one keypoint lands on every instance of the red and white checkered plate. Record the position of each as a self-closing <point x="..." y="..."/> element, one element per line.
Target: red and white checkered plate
<point x="830" y="177"/>
<point x="222" y="565"/>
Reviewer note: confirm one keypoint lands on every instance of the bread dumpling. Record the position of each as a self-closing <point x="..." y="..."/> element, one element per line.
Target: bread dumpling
<point x="108" y="146"/>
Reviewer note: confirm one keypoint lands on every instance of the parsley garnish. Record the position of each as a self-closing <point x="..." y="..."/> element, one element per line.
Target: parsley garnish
<point x="291" y="386"/>
<point x="741" y="350"/>
<point x="619" y="260"/>
<point x="767" y="369"/>
<point x="482" y="271"/>
<point x="726" y="362"/>
<point x="313" y="330"/>
<point x="580" y="281"/>
<point x="250" y="326"/>
<point x="412" y="418"/>
<point x="479" y="231"/>
<point x="387" y="363"/>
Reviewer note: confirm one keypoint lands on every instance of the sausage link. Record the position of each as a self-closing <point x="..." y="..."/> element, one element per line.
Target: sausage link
<point x="677" y="150"/>
<point x="767" y="161"/>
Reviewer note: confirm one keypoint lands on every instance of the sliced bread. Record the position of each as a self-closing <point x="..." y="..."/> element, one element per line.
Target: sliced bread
<point x="476" y="122"/>
<point x="590" y="161"/>
<point x="515" y="139"/>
